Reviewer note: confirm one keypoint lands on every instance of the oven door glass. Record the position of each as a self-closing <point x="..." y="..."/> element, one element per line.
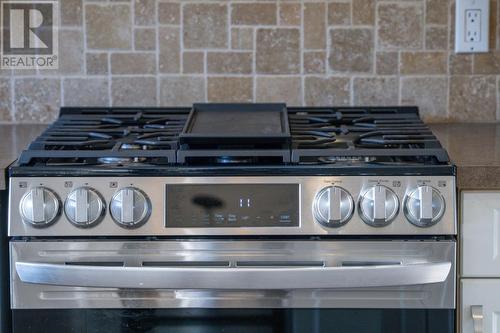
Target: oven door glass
<point x="235" y="320"/>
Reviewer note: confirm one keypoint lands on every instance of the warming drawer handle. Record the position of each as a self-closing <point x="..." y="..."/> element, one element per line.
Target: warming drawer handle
<point x="477" y="318"/>
<point x="243" y="278"/>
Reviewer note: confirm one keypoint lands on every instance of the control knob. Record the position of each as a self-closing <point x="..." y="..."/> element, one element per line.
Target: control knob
<point x="39" y="207"/>
<point x="130" y="207"/>
<point x="378" y="206"/>
<point x="84" y="207"/>
<point x="333" y="206"/>
<point x="424" y="206"/>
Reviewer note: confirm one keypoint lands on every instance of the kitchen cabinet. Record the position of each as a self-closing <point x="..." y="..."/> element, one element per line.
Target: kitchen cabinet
<point x="480" y="234"/>
<point x="480" y="305"/>
<point x="480" y="278"/>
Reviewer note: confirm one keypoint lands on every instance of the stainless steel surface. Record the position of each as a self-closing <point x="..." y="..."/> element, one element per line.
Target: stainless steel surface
<point x="378" y="206"/>
<point x="244" y="277"/>
<point x="84" y="207"/>
<point x="333" y="206"/>
<point x="424" y="206"/>
<point x="39" y="207"/>
<point x="477" y="318"/>
<point x="154" y="187"/>
<point x="225" y="274"/>
<point x="130" y="207"/>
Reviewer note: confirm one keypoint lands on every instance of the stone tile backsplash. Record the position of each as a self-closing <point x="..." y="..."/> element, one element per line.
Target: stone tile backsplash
<point x="309" y="52"/>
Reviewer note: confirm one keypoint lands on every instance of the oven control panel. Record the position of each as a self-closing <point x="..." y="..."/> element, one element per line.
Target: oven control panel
<point x="205" y="206"/>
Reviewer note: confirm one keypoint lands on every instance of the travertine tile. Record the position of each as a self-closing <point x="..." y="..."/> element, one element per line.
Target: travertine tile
<point x="229" y="62"/>
<point x="363" y="12"/>
<point x="436" y="38"/>
<point x="108" y="26"/>
<point x="278" y="51"/>
<point x="351" y="50"/>
<point x="133" y="63"/>
<point x="205" y="25"/>
<point x="314" y="26"/>
<point x="182" y="90"/>
<point x="400" y="26"/>
<point x="37" y="100"/>
<point x="314" y="62"/>
<point x="429" y="94"/>
<point x="144" y="12"/>
<point x="387" y="63"/>
<point x="86" y="92"/>
<point x="242" y="38"/>
<point x="460" y="64"/>
<point x="230" y="89"/>
<point x="253" y="13"/>
<point x="170" y="44"/>
<point x="472" y="98"/>
<point x="436" y="11"/>
<point x="71" y="12"/>
<point x="71" y="55"/>
<point x="5" y="100"/>
<point x="290" y="13"/>
<point x="280" y="90"/>
<point x="339" y="13"/>
<point x="375" y="91"/>
<point x="70" y="52"/>
<point x="97" y="63"/>
<point x="133" y="91"/>
<point x="423" y="63"/>
<point x="169" y="13"/>
<point x="487" y="63"/>
<point x="193" y="62"/>
<point x="145" y="39"/>
<point x="321" y="91"/>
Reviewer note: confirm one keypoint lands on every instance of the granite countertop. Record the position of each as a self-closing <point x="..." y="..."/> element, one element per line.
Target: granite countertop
<point x="13" y="139"/>
<point x="477" y="154"/>
<point x="475" y="149"/>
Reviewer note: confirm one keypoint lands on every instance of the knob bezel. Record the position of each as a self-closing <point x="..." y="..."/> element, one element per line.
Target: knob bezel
<point x="418" y="222"/>
<point x="55" y="216"/>
<point x="318" y="217"/>
<point x="97" y="220"/>
<point x="389" y="219"/>
<point x="145" y="216"/>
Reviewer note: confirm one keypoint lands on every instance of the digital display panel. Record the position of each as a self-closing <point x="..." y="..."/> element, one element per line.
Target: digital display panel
<point x="232" y="205"/>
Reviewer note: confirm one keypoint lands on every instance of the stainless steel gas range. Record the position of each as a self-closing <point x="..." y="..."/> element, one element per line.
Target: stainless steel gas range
<point x="234" y="217"/>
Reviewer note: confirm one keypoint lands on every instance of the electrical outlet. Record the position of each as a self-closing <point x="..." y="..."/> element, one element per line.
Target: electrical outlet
<point x="471" y="26"/>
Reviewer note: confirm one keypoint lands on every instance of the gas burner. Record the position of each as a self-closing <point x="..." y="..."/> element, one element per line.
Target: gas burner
<point x="347" y="159"/>
<point x="132" y="146"/>
<point x="232" y="160"/>
<point x="121" y="160"/>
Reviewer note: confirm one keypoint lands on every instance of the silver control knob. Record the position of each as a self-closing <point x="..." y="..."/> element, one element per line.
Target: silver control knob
<point x="333" y="206"/>
<point x="130" y="207"/>
<point x="39" y="207"/>
<point x="378" y="206"/>
<point x="424" y="206"/>
<point x="84" y="207"/>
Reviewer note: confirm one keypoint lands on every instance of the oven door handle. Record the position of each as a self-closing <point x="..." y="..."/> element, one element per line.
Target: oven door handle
<point x="244" y="278"/>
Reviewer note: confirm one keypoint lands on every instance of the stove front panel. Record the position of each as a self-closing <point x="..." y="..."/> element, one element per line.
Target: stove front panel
<point x="232" y="206"/>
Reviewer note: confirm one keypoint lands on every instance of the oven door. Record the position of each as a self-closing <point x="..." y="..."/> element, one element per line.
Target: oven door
<point x="240" y="286"/>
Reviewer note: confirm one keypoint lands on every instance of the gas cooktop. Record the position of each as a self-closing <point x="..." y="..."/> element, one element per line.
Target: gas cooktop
<point x="235" y="135"/>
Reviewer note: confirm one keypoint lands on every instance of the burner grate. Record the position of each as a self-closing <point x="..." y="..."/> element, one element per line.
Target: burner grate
<point x="385" y="134"/>
<point x="138" y="137"/>
<point x="93" y="135"/>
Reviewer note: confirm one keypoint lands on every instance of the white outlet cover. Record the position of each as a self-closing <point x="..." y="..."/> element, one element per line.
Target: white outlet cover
<point x="472" y="26"/>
